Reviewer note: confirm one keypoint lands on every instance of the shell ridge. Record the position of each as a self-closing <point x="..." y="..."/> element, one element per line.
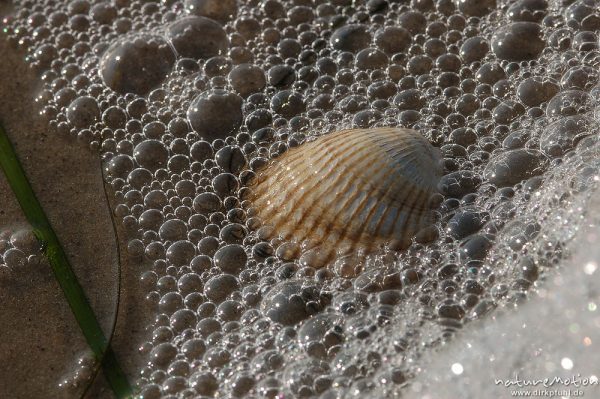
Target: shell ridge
<point x="354" y="213"/>
<point x="366" y="219"/>
<point x="411" y="207"/>
<point x="329" y="228"/>
<point x="377" y="229"/>
<point x="399" y="223"/>
<point x="360" y="220"/>
<point x="406" y="150"/>
<point x="416" y="181"/>
<point x="408" y="164"/>
<point x="373" y="222"/>
<point x="418" y="217"/>
<point x="353" y="207"/>
<point x="299" y="184"/>
<point x="363" y="157"/>
<point x="351" y="200"/>
<point x="309" y="192"/>
<point x="404" y="191"/>
<point x="358" y="189"/>
<point x="303" y="204"/>
<point x="401" y="189"/>
<point x="273" y="182"/>
<point x="388" y="219"/>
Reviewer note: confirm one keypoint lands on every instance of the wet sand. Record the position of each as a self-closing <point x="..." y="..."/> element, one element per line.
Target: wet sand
<point x="40" y="340"/>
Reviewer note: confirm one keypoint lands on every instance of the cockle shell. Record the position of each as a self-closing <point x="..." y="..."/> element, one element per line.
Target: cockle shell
<point x="357" y="189"/>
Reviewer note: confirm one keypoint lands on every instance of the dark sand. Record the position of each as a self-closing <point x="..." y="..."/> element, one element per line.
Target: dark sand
<point x="40" y="340"/>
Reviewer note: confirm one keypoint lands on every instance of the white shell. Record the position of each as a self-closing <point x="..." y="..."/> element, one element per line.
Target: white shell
<point x="350" y="190"/>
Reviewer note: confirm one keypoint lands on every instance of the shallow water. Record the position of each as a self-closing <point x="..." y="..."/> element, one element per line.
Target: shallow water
<point x="185" y="103"/>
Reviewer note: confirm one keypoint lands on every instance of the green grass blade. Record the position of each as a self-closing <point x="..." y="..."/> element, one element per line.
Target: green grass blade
<point x="62" y="269"/>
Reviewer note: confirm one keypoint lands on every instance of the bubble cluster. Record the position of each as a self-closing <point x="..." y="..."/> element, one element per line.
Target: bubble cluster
<point x="20" y="252"/>
<point x="188" y="101"/>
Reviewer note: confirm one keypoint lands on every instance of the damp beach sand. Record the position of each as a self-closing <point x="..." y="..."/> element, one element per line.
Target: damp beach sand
<point x="40" y="342"/>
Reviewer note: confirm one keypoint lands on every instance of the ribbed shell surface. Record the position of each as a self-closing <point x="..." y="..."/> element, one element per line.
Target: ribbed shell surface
<point x="349" y="190"/>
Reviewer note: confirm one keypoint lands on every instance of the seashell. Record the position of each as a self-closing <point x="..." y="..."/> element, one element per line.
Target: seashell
<point x="351" y="190"/>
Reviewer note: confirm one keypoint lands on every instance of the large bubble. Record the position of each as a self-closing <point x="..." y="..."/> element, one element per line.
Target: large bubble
<point x="137" y="64"/>
<point x="197" y="37"/>
<point x="351" y="38"/>
<point x="215" y="114"/>
<point x="83" y="111"/>
<point x="519" y="41"/>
